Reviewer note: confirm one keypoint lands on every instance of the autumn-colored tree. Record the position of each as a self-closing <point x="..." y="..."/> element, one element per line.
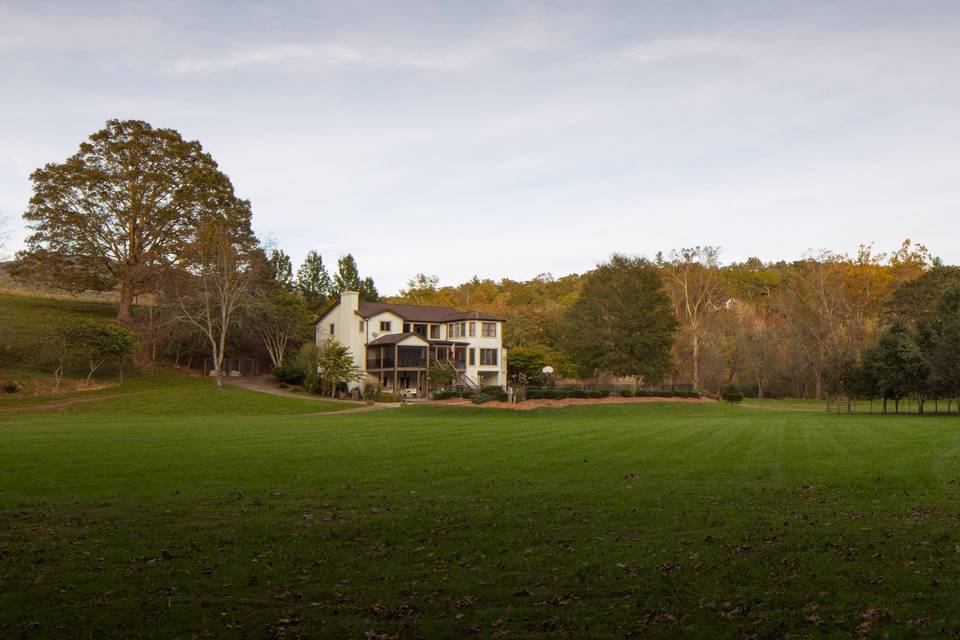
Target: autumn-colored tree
<point x="216" y="277"/>
<point x="120" y="209"/>
<point x="698" y="292"/>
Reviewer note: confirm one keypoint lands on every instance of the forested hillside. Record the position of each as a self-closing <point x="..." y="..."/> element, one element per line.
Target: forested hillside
<point x="777" y="328"/>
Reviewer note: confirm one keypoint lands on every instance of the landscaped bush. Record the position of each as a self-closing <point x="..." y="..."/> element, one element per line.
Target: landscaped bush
<point x="595" y="394"/>
<point x="312" y="383"/>
<point x="732" y="394"/>
<point x="371" y="389"/>
<point x="443" y="395"/>
<point x="502" y="396"/>
<point x="10" y="387"/>
<point x="283" y="385"/>
<point x="577" y="393"/>
<point x="626" y="393"/>
<point x="481" y="398"/>
<point x="534" y="394"/>
<point x="289" y="373"/>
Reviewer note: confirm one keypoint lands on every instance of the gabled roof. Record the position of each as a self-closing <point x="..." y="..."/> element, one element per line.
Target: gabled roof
<point x="422" y="313"/>
<point x="394" y="338"/>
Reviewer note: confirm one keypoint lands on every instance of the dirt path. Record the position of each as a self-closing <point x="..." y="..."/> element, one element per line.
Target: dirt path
<point x="265" y="385"/>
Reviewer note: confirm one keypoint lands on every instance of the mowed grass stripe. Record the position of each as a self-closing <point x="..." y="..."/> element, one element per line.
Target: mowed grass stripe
<point x="232" y="515"/>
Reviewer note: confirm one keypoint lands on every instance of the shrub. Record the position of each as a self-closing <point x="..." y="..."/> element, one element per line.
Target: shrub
<point x="443" y="395"/>
<point x="371" y="389"/>
<point x="466" y="395"/>
<point x="595" y="394"/>
<point x="604" y="393"/>
<point x="312" y="383"/>
<point x="577" y="393"/>
<point x="10" y="387"/>
<point x="534" y="394"/>
<point x="289" y="373"/>
<point x="502" y="396"/>
<point x="626" y="393"/>
<point x="490" y="390"/>
<point x="283" y="385"/>
<point x="481" y="398"/>
<point x="731" y="394"/>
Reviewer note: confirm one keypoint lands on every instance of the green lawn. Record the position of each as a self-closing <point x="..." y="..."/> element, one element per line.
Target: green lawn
<point x="169" y="509"/>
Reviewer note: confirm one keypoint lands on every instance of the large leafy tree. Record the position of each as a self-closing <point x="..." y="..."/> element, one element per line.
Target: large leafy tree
<point x="945" y="357"/>
<point x="281" y="319"/>
<point x="899" y="365"/>
<point x="124" y="205"/>
<point x="623" y="322"/>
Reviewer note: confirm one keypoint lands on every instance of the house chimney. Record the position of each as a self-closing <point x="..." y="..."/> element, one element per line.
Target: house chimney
<point x="350" y="300"/>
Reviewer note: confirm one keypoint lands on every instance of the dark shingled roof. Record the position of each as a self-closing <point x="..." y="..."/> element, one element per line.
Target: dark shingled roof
<point x="394" y="338"/>
<point x="422" y="313"/>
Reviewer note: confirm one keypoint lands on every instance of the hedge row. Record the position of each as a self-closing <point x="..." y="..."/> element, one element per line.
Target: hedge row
<point x="485" y="395"/>
<point x="560" y="394"/>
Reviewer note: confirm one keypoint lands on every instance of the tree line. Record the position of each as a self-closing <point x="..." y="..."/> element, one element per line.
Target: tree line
<point x="773" y="329"/>
<point x="143" y="212"/>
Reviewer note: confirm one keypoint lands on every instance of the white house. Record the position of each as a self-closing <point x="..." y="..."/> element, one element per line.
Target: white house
<point x="396" y="343"/>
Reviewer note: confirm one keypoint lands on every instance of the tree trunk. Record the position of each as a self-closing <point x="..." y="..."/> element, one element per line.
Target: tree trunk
<point x="696" y="361"/>
<point x="125" y="306"/>
<point x="920" y="402"/>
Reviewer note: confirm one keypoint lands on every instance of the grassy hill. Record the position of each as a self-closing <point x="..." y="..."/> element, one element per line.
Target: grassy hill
<point x="169" y="509"/>
<point x="25" y="325"/>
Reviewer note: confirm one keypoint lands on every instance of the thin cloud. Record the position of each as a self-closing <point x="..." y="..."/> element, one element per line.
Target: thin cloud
<point x="669" y="49"/>
<point x="333" y="57"/>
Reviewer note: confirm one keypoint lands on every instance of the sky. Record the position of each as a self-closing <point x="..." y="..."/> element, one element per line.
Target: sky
<point x="508" y="139"/>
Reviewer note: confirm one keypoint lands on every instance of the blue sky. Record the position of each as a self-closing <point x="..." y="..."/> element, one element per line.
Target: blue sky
<point x="513" y="138"/>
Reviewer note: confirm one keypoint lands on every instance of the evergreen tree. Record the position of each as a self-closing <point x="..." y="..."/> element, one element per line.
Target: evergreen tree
<point x="348" y="278"/>
<point x="281" y="269"/>
<point x="313" y="281"/>
<point x="623" y="322"/>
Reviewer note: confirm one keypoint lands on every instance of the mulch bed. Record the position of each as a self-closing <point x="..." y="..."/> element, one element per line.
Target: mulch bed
<point x="527" y="405"/>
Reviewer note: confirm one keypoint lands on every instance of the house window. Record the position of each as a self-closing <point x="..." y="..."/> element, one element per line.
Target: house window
<point x="434" y="332"/>
<point x="361" y="326"/>
<point x="489" y="330"/>
<point x="332" y="327"/>
<point x="406" y="327"/>
<point x="457" y="330"/>
<point x="473" y="357"/>
<point x="385" y="325"/>
<point x="473" y="329"/>
<point x="488" y="356"/>
<point x="420" y="330"/>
